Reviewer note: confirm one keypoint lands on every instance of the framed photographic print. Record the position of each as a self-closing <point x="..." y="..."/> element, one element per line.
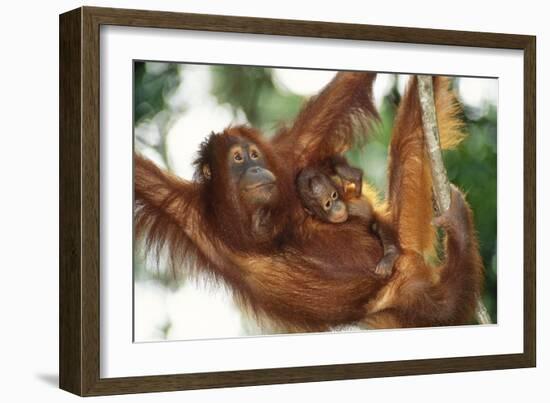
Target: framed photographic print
<point x="250" y="201"/>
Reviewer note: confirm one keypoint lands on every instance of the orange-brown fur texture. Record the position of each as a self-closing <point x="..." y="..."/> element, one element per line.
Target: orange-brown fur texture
<point x="329" y="123"/>
<point x="301" y="274"/>
<point x="419" y="295"/>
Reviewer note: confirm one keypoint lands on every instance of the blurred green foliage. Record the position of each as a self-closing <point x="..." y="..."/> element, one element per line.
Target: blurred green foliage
<point x="153" y="84"/>
<point x="252" y="89"/>
<point x="266" y="105"/>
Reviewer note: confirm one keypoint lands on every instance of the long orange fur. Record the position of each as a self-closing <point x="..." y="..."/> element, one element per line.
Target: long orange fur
<point x="311" y="276"/>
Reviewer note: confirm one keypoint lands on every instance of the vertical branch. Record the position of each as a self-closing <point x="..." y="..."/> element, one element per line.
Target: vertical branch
<point x="441" y="186"/>
<point x="482" y="314"/>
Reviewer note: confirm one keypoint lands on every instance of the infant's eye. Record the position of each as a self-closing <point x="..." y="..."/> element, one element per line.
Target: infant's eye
<point x="334" y="195"/>
<point x="328" y="204"/>
<point x="238" y="157"/>
<point x="254" y="154"/>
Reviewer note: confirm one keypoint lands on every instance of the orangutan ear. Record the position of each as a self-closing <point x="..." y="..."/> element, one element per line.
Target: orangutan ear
<point x="206" y="172"/>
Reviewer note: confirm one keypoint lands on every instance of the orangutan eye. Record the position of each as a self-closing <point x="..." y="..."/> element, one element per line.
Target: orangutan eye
<point x="328" y="204"/>
<point x="334" y="195"/>
<point x="254" y="154"/>
<point x="238" y="157"/>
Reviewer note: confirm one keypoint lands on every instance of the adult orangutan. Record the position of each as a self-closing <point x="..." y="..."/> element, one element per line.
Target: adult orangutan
<point x="242" y="222"/>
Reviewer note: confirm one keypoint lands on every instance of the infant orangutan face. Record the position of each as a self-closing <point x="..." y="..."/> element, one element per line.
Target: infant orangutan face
<point x="321" y="199"/>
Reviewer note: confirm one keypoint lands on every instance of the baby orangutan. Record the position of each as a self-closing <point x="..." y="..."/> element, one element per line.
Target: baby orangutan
<point x="334" y="201"/>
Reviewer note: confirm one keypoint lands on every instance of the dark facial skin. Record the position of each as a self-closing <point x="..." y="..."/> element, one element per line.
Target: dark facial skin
<point x="255" y="182"/>
<point x="321" y="197"/>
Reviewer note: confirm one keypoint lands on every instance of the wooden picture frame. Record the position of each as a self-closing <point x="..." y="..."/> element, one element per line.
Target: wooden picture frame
<point x="80" y="199"/>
